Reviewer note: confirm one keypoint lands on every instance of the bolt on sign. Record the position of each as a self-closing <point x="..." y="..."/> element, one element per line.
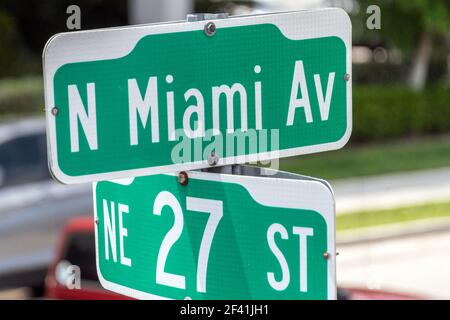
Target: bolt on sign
<point x="159" y="98"/>
<point x="216" y="236"/>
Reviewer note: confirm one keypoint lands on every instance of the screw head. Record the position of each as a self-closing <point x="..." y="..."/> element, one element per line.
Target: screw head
<point x="326" y="255"/>
<point x="96" y="220"/>
<point x="210" y="29"/>
<point x="347" y="77"/>
<point x="183" y="178"/>
<point x="213" y="159"/>
<point x="55" y="111"/>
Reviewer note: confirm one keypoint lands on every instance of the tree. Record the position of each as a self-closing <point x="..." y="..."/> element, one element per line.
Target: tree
<point x="413" y="26"/>
<point x="8" y="44"/>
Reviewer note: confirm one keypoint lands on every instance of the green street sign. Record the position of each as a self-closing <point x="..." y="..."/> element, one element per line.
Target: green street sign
<point x="220" y="236"/>
<point x="152" y="99"/>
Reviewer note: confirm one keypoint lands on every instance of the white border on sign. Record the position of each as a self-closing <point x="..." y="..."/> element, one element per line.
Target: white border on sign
<point x="314" y="195"/>
<point x="113" y="43"/>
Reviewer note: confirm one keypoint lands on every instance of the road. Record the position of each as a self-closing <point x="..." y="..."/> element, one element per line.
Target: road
<point x="393" y="190"/>
<point x="417" y="264"/>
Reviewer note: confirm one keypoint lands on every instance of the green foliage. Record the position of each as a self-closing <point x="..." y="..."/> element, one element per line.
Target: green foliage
<point x="21" y="96"/>
<point x="8" y="44"/>
<point x="381" y="112"/>
<point x="25" y="27"/>
<point x="433" y="16"/>
<point x="403" y="21"/>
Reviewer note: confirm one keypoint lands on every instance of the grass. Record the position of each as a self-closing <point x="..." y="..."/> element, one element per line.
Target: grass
<point x="398" y="215"/>
<point x="373" y="159"/>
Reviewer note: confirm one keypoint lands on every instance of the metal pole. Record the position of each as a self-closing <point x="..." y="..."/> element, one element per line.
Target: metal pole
<point x="150" y="11"/>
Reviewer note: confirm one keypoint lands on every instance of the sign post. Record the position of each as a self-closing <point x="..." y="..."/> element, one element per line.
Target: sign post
<point x="160" y="98"/>
<point x="141" y="105"/>
<point x="216" y="236"/>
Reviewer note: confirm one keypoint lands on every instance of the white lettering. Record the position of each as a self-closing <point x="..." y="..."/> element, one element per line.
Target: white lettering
<point x="295" y="102"/>
<point x="140" y="106"/>
<point x="88" y="120"/>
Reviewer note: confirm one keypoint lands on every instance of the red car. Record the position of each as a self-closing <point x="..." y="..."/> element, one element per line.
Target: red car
<point x="77" y="247"/>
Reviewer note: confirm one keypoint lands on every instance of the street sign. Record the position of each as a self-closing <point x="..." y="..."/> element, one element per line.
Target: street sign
<point x="216" y="236"/>
<point x="159" y="98"/>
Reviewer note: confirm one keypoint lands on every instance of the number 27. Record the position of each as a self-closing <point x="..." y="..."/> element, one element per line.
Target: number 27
<point x="215" y="210"/>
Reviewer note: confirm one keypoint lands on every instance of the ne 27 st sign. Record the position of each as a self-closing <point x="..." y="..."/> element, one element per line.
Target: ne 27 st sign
<point x="159" y="98"/>
<point x="218" y="237"/>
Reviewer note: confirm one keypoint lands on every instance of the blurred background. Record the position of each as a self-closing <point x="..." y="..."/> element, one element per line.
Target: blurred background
<point x="392" y="181"/>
